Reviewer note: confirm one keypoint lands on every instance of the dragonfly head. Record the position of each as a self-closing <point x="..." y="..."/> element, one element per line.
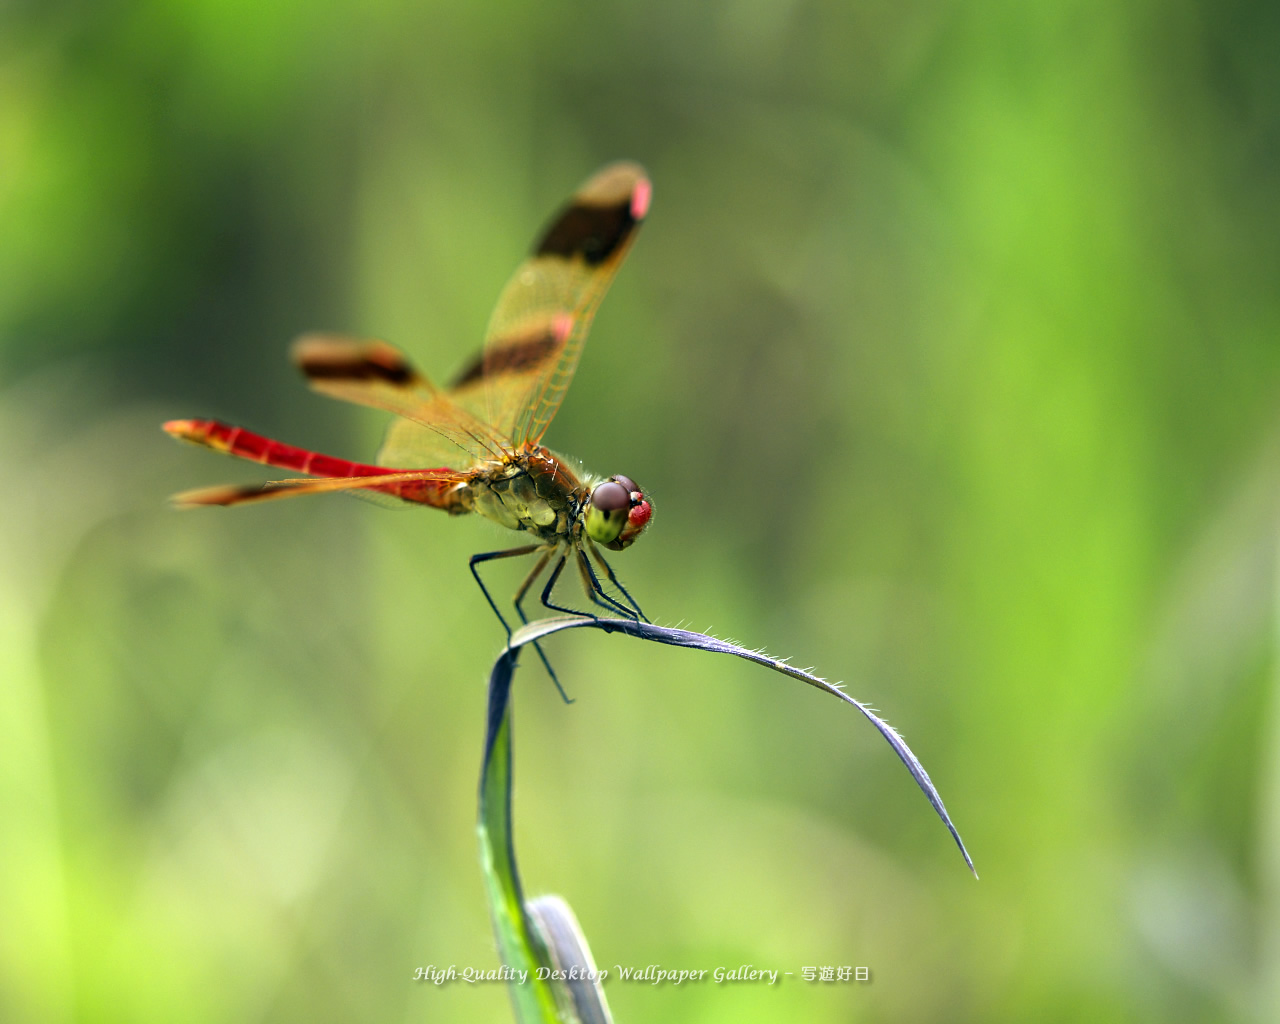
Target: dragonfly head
<point x="617" y="513"/>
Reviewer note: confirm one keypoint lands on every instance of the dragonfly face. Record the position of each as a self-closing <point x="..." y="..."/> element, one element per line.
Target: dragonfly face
<point x="476" y="445"/>
<point x="616" y="513"/>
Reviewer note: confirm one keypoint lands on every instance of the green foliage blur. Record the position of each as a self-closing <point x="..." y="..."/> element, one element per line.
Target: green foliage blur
<point x="950" y="356"/>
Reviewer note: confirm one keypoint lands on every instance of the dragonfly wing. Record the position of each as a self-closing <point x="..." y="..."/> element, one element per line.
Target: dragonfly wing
<point x="423" y="487"/>
<point x="435" y="431"/>
<point x="541" y="321"/>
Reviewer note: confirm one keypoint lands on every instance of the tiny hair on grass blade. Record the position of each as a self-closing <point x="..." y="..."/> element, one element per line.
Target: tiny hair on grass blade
<point x="700" y="641"/>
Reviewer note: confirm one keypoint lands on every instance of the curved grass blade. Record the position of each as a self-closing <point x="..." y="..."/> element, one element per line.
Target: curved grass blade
<point x="519" y="944"/>
<point x="539" y="940"/>
<point x="543" y="934"/>
<point x="570" y="957"/>
<point x="702" y="642"/>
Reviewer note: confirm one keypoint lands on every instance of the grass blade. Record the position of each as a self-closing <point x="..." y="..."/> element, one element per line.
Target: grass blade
<point x="702" y="642"/>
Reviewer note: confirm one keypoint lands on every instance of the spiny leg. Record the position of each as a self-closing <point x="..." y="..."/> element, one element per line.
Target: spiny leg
<point x="596" y="593"/>
<point x="489" y="556"/>
<point x="523" y="590"/>
<point x="546" y="592"/>
<point x="528" y="549"/>
<point x="608" y="571"/>
<point x="521" y="593"/>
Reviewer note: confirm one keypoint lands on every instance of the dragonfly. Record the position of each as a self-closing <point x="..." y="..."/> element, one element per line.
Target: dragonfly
<point x="476" y="445"/>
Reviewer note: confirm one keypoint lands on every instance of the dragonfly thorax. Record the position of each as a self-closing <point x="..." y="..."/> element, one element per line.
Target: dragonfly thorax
<point x="532" y="491"/>
<point x="536" y="492"/>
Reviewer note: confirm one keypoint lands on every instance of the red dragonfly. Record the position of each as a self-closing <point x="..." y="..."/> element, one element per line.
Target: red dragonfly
<point x="476" y="446"/>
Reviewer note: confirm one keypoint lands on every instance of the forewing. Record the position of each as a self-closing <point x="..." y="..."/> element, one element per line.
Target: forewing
<point x="434" y="430"/>
<point x="536" y="334"/>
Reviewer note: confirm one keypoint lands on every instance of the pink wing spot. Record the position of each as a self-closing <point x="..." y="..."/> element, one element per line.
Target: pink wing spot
<point x="640" y="199"/>
<point x="562" y="326"/>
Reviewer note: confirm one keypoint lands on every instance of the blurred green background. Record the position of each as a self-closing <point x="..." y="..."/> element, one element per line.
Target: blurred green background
<point x="949" y="357"/>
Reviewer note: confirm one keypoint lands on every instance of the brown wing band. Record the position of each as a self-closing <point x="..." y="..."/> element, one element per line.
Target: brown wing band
<point x="590" y="231"/>
<point x="338" y="362"/>
<point x="512" y="357"/>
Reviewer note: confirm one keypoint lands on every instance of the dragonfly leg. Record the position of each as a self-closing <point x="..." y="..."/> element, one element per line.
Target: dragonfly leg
<point x="523" y="591"/>
<point x="519" y="604"/>
<point x="489" y="556"/>
<point x="596" y="593"/>
<point x="551" y="582"/>
<point x="608" y="571"/>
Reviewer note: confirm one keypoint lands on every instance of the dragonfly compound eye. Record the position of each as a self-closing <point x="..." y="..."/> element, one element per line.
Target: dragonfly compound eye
<point x="607" y="511"/>
<point x="611" y="496"/>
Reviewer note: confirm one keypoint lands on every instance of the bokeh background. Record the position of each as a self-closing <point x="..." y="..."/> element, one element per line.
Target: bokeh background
<point x="949" y="356"/>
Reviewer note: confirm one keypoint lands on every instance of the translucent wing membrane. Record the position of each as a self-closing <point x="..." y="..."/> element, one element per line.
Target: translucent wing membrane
<point x="421" y="487"/>
<point x="541" y="321"/>
<point x="434" y="430"/>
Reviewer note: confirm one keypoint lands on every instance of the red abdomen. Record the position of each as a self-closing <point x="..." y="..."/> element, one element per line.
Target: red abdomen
<point x="434" y="490"/>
